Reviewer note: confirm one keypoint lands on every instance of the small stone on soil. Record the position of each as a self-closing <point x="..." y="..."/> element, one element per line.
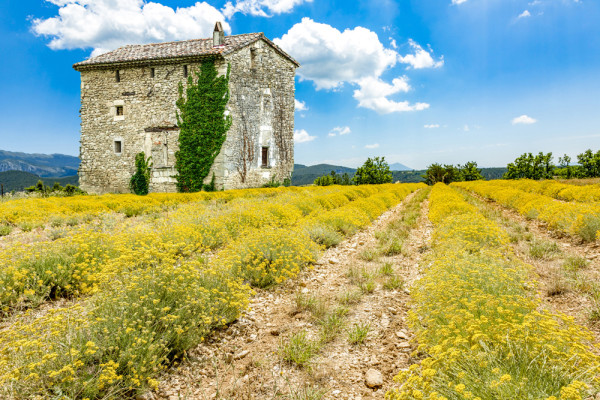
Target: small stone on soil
<point x="373" y="378"/>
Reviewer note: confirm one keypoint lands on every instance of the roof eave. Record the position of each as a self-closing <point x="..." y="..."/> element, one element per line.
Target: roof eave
<point x="82" y="66"/>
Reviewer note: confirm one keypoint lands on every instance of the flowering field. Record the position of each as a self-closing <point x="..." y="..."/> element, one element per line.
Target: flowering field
<point x="482" y="332"/>
<point x="99" y="312"/>
<point x="557" y="190"/>
<point x="579" y="218"/>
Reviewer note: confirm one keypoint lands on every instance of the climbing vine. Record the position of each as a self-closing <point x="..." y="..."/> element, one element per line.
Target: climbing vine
<point x="140" y="181"/>
<point x="203" y="125"/>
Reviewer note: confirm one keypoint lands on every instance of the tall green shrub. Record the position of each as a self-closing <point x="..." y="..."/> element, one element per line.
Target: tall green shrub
<point x="374" y="171"/>
<point x="203" y="125"/>
<point x="140" y="181"/>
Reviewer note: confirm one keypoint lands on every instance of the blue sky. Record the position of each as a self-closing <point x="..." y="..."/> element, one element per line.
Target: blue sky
<point x="416" y="81"/>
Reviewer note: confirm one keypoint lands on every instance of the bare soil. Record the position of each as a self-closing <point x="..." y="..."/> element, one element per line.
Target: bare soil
<point x="243" y="360"/>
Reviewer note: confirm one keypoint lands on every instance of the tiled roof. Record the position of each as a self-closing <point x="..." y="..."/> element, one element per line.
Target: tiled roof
<point x="173" y="50"/>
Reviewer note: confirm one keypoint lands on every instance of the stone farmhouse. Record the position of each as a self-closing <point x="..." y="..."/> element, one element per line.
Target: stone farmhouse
<point x="128" y="105"/>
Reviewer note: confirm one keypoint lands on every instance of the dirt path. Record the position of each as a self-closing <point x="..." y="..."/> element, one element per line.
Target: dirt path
<point x="244" y="361"/>
<point x="567" y="269"/>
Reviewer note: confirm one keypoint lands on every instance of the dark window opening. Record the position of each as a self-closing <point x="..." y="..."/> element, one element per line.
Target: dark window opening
<point x="252" y="58"/>
<point x="119" y="110"/>
<point x="118" y="76"/>
<point x="151" y="72"/>
<point x="185" y="71"/>
<point x="118" y="146"/>
<point x="265" y="156"/>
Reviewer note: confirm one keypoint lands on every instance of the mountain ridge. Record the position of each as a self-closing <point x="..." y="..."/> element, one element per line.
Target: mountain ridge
<point x="43" y="165"/>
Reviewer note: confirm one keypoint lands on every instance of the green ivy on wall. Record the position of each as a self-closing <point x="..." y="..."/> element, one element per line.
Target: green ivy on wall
<point x="140" y="181"/>
<point x="203" y="125"/>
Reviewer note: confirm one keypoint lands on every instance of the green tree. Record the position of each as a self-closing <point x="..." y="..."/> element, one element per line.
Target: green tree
<point x="440" y="173"/>
<point x="529" y="166"/>
<point x="140" y="180"/>
<point x="324" y="180"/>
<point x="374" y="171"/>
<point x="469" y="172"/>
<point x="590" y="163"/>
<point x="565" y="164"/>
<point x="203" y="125"/>
<point x="346" y="179"/>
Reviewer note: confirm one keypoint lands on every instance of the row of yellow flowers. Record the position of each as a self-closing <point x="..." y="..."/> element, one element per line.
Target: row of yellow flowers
<point x="482" y="332"/>
<point x="555" y="189"/>
<point x="38" y="211"/>
<point x="577" y="219"/>
<point x="78" y="264"/>
<point x="151" y="304"/>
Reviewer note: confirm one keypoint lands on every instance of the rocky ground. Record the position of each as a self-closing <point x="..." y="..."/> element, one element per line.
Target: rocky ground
<point x="244" y="360"/>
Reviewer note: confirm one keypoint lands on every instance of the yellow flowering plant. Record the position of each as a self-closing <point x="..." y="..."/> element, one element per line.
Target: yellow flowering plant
<point x="482" y="332"/>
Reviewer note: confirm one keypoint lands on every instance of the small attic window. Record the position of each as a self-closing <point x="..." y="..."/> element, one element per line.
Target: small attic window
<point x="119" y="110"/>
<point x="118" y="146"/>
<point x="152" y="71"/>
<point x="118" y="76"/>
<point x="185" y="71"/>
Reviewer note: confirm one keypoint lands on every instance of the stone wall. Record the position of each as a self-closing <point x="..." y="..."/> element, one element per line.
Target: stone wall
<point x="262" y="100"/>
<point x="262" y="105"/>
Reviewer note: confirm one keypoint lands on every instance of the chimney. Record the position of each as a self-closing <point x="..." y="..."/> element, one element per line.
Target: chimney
<point x="218" y="35"/>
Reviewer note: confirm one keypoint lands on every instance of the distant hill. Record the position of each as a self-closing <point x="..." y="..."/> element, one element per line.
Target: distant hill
<point x="399" y="167"/>
<point x="415" y="176"/>
<point x="493" y="173"/>
<point x="44" y="165"/>
<point x="19" y="180"/>
<point x="304" y="175"/>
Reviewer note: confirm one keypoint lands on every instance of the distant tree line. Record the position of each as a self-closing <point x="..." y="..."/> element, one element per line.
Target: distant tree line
<point x="448" y="173"/>
<point x="374" y="171"/>
<point x="541" y="166"/>
<point x="56" y="189"/>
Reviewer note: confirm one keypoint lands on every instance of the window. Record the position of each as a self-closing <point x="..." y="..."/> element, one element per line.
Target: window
<point x="118" y="146"/>
<point x="185" y="71"/>
<point x="119" y="110"/>
<point x="252" y="58"/>
<point x="265" y="156"/>
<point x="151" y="72"/>
<point x="118" y="76"/>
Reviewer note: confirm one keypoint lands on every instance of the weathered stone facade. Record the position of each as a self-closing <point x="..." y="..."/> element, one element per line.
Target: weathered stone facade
<point x="128" y="106"/>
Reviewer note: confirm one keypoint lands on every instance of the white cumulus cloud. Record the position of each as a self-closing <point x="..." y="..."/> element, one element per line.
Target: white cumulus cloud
<point x="104" y="25"/>
<point x="301" y="136"/>
<point x="524" y="119"/>
<point x="431" y="126"/>
<point x="340" y="130"/>
<point x="372" y="146"/>
<point x="331" y="58"/>
<point x="261" y="8"/>
<point x="374" y="92"/>
<point x="421" y="58"/>
<point x="458" y="1"/>
<point x="300" y="105"/>
<point x="524" y="14"/>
